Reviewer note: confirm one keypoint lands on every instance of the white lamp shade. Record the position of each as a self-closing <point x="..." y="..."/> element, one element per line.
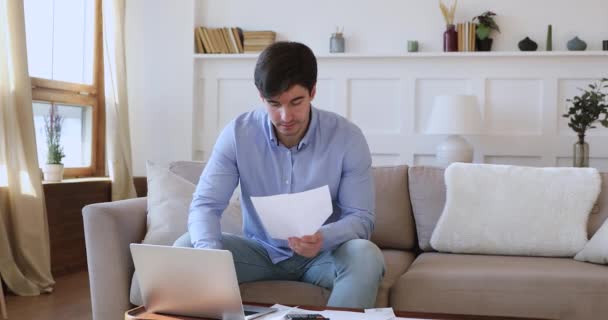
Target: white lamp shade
<point x="455" y="114"/>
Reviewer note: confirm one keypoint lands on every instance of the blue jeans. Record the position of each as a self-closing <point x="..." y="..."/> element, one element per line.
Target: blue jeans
<point x="352" y="272"/>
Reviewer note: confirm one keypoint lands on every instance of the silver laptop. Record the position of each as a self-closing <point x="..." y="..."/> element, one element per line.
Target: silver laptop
<point x="191" y="282"/>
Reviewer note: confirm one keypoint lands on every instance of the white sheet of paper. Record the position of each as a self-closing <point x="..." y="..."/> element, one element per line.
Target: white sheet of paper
<point x="370" y="314"/>
<point x="294" y="214"/>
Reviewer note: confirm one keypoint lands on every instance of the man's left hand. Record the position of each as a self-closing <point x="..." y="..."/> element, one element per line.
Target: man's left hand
<point x="307" y="246"/>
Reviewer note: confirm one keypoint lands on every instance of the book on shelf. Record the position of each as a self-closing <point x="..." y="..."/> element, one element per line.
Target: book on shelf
<point x="231" y="40"/>
<point x="466" y="36"/>
<point x="256" y="41"/>
<point x="198" y="41"/>
<point x="219" y="40"/>
<point x="236" y="32"/>
<point x="209" y="47"/>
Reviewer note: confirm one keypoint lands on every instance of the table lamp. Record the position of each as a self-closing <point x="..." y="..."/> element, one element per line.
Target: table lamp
<point x="454" y="115"/>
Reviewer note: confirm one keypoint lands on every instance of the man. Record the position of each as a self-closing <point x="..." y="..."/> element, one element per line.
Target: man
<point x="289" y="147"/>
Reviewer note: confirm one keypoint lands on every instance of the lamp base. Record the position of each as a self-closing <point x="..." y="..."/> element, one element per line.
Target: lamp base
<point x="454" y="149"/>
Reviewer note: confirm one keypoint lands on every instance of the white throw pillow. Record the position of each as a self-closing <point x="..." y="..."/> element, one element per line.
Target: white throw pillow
<point x="511" y="210"/>
<point x="596" y="250"/>
<point x="169" y="197"/>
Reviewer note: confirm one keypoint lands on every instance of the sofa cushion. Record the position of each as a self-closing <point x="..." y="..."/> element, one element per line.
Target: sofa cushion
<point x="515" y="210"/>
<point x="284" y="292"/>
<point x="394" y="227"/>
<point x="396" y="263"/>
<point x="300" y="293"/>
<point x="427" y="193"/>
<point x="554" y="288"/>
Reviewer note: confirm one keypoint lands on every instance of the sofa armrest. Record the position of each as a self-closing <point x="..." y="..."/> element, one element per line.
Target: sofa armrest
<point x="109" y="228"/>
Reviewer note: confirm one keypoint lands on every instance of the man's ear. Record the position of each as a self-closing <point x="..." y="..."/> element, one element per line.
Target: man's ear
<point x="313" y="92"/>
<point x="262" y="97"/>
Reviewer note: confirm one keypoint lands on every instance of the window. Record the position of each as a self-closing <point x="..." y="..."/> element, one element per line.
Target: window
<point x="66" y="67"/>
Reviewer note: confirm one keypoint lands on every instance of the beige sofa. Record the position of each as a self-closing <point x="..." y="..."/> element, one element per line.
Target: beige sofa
<point x="408" y="203"/>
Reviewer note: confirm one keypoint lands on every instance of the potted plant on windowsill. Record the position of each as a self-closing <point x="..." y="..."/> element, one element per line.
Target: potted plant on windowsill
<point x="485" y="25"/>
<point x="53" y="169"/>
<point x="585" y="110"/>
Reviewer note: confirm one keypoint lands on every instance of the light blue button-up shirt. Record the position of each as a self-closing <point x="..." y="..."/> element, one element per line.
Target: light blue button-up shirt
<point x="333" y="152"/>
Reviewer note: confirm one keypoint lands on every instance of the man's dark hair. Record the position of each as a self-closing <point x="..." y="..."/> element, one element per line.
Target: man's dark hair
<point x="283" y="65"/>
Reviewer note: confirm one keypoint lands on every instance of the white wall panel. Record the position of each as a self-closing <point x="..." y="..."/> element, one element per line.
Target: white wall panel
<point x="324" y="99"/>
<point x="375" y="105"/>
<point x="235" y="96"/>
<point x="424" y="160"/>
<point x="513" y="107"/>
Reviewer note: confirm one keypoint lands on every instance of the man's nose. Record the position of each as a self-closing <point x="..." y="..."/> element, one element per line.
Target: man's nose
<point x="286" y="115"/>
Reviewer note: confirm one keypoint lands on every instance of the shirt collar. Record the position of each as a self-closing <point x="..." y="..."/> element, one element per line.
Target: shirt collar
<point x="312" y="126"/>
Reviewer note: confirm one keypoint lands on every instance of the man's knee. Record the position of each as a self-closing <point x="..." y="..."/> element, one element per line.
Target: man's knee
<point x="183" y="241"/>
<point x="361" y="256"/>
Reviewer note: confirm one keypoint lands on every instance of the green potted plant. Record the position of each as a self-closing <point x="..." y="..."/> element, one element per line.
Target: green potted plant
<point x="585" y="110"/>
<point x="53" y="169"/>
<point x="485" y="26"/>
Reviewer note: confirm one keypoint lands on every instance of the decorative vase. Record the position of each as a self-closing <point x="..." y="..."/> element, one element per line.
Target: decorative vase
<point x="485" y="44"/>
<point x="527" y="45"/>
<point x="576" y="44"/>
<point x="53" y="172"/>
<point x="450" y="39"/>
<point x="550" y="38"/>
<point x="336" y="43"/>
<point x="581" y="154"/>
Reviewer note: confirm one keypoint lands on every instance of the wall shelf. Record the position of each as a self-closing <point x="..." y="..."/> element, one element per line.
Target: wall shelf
<point x="491" y="54"/>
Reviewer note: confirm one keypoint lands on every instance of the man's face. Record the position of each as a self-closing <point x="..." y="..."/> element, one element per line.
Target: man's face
<point x="290" y="113"/>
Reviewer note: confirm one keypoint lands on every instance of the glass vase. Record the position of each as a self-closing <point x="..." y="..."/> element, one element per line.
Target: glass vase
<point x="581" y="154"/>
<point x="450" y="39"/>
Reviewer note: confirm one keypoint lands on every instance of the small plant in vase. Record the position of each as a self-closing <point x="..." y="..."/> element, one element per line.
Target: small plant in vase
<point x="485" y="26"/>
<point x="53" y="170"/>
<point x="584" y="111"/>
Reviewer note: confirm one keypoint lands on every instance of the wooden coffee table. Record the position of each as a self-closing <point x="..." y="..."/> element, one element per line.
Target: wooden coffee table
<point x="140" y="313"/>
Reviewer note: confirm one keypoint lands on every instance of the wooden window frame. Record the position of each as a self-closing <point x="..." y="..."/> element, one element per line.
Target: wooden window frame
<point x="53" y="91"/>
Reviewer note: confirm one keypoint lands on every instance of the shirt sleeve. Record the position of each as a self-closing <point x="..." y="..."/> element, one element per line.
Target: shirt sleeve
<point x="356" y="198"/>
<point x="214" y="189"/>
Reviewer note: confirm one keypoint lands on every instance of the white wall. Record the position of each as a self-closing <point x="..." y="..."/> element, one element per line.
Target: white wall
<point x="386" y="25"/>
<point x="160" y="46"/>
<point x="159" y="69"/>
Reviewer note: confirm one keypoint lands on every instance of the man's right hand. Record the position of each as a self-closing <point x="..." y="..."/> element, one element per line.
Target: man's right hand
<point x="307" y="246"/>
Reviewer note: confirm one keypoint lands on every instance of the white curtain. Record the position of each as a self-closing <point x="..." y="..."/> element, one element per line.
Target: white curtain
<point x="25" y="264"/>
<point x="117" y="109"/>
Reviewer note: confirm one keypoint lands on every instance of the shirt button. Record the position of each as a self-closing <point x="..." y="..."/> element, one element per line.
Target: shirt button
<point x="286" y="181"/>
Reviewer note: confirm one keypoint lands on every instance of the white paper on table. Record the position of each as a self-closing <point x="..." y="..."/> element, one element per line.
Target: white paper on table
<point x="294" y="214"/>
<point x="381" y="313"/>
<point x="370" y="314"/>
<point x="281" y="312"/>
